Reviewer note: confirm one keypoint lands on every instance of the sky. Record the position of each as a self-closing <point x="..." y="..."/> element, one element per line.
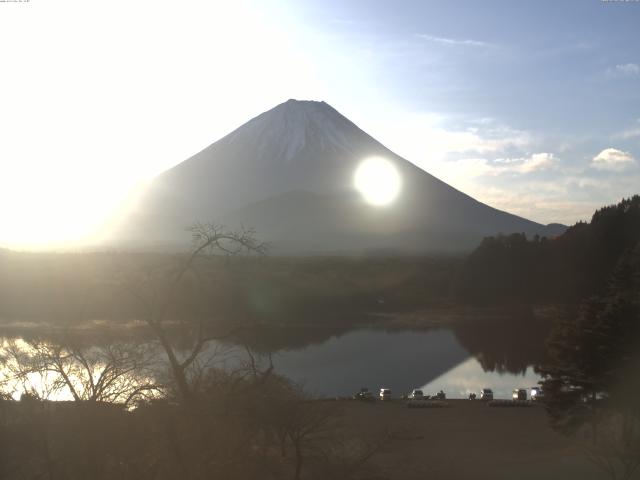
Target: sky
<point x="530" y="107"/>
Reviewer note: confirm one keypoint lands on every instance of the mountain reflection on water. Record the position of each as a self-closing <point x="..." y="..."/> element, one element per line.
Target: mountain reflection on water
<point x="334" y="361"/>
<point x="399" y="360"/>
<point x="402" y="360"/>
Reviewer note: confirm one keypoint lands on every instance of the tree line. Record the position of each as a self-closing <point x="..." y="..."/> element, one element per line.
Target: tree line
<point x="590" y="376"/>
<point x="565" y="269"/>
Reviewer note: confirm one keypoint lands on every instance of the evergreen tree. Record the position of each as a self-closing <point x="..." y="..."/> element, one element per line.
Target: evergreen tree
<point x="571" y="267"/>
<point x="592" y="379"/>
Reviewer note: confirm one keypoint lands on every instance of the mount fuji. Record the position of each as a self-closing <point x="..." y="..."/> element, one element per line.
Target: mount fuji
<point x="288" y="173"/>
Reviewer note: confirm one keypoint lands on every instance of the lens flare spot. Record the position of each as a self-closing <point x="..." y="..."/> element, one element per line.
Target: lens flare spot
<point x="377" y="180"/>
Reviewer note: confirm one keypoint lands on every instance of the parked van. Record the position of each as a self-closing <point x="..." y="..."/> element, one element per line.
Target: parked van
<point x="537" y="393"/>
<point x="519" y="394"/>
<point x="365" y="395"/>
<point x="416" y="394"/>
<point x="385" y="394"/>
<point x="486" y="394"/>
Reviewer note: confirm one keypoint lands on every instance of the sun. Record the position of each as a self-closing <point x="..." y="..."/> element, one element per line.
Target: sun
<point x="377" y="180"/>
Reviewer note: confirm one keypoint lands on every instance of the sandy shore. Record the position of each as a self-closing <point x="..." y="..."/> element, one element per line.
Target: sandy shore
<point x="467" y="439"/>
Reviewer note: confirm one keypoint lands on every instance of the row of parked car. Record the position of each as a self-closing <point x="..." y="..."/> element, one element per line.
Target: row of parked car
<point x="385" y="394"/>
<point x="535" y="393"/>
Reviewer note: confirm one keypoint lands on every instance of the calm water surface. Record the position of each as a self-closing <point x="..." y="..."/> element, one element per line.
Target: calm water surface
<point x="339" y="364"/>
<point x="399" y="360"/>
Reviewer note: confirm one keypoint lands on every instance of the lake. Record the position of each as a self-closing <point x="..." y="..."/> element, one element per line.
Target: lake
<point x="330" y="362"/>
<point x="399" y="360"/>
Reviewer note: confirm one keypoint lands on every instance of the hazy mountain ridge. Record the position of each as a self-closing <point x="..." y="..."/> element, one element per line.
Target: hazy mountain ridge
<point x="288" y="173"/>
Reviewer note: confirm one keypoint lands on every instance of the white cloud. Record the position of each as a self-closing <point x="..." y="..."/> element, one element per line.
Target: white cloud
<point x="426" y="140"/>
<point x="454" y="41"/>
<point x="624" y="70"/>
<point x="537" y="162"/>
<point x="629" y="69"/>
<point x="487" y="160"/>
<point x="631" y="132"/>
<point x="544" y="202"/>
<point x="564" y="199"/>
<point x="613" y="159"/>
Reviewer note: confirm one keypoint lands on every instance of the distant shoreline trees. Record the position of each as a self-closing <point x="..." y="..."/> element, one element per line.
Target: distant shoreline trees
<point x="566" y="269"/>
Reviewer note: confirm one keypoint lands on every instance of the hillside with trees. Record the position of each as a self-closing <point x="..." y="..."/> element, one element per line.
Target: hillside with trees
<point x="592" y="273"/>
<point x="591" y="376"/>
<point x="565" y="269"/>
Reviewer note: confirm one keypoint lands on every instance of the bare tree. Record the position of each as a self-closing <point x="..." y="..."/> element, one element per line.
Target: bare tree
<point x="117" y="372"/>
<point x="157" y="295"/>
<point x="309" y="426"/>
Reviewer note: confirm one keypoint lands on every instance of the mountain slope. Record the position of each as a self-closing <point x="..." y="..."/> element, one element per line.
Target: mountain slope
<point x="289" y="174"/>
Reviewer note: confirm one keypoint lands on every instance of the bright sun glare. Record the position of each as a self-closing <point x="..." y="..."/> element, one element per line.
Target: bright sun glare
<point x="377" y="180"/>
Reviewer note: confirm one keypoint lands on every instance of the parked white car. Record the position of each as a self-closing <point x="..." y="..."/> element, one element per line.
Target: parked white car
<point x="537" y="393"/>
<point x="416" y="394"/>
<point x="385" y="394"/>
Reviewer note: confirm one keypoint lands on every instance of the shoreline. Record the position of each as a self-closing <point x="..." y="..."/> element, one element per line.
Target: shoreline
<point x="441" y="316"/>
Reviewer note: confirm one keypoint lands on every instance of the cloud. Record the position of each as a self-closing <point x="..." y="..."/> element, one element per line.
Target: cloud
<point x="490" y="142"/>
<point x="544" y="202"/>
<point x="430" y="140"/>
<point x="560" y="198"/>
<point x="629" y="69"/>
<point x="454" y="41"/>
<point x="543" y="179"/>
<point x="624" y="70"/>
<point x="473" y="174"/>
<point x="613" y="159"/>
<point x="632" y="132"/>
<point x="537" y="162"/>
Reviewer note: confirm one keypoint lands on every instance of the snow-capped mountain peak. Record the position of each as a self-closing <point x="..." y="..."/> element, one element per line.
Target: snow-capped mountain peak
<point x="284" y="131"/>
<point x="289" y="173"/>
